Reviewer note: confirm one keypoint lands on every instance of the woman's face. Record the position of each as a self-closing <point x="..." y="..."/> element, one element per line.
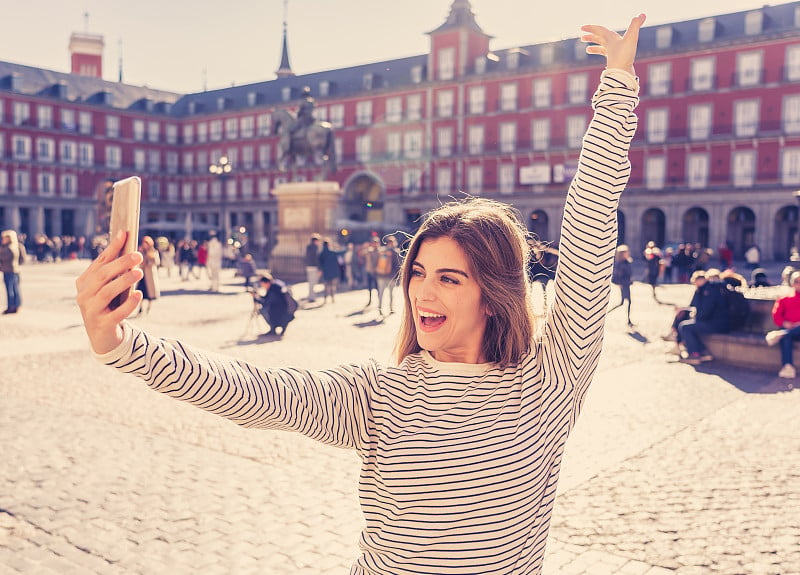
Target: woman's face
<point x="449" y="313"/>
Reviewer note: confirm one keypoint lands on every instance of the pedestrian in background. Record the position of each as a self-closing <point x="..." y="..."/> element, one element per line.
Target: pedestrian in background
<point x="148" y="285"/>
<point x="214" y="260"/>
<point x="330" y="270"/>
<point x="460" y="442"/>
<point x="386" y="271"/>
<point x="273" y="304"/>
<point x="621" y="276"/>
<point x="312" y="266"/>
<point x="370" y="263"/>
<point x="786" y="315"/>
<point x="12" y="256"/>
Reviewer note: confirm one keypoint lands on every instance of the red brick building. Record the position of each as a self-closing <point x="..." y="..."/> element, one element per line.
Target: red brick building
<point x="716" y="158"/>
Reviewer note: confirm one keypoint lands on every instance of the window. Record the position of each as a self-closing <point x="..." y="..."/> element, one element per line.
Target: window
<point x="791" y="114"/>
<point x="171" y="133"/>
<point x="702" y="74"/>
<point x="44" y="116"/>
<point x="368" y="81"/>
<point x="580" y="51"/>
<point x="188" y="162"/>
<point x="664" y="37"/>
<point x="139" y="160"/>
<point x="324" y="88"/>
<point x="85" y="122"/>
<point x="576" y="128"/>
<point x="22" y="113"/>
<point x="263" y="156"/>
<point x="412" y="181"/>
<point x="705" y="29"/>
<point x="657" y="120"/>
<point x="512" y="63"/>
<point x="475" y="139"/>
<point x="700" y="122"/>
<point x="744" y="166"/>
<point x="321" y="113"/>
<point x="215" y="130"/>
<point x="540" y="134"/>
<point x="414" y="106"/>
<point x="477" y="100"/>
<point x="45" y="149"/>
<point x="793" y="61"/>
<point x="508" y="97"/>
<point x="45" y="184"/>
<point x="68" y="120"/>
<point x="475" y="180"/>
<point x="393" y="145"/>
<point x="67" y="150"/>
<point x="172" y="161"/>
<point x="286" y="94"/>
<point x="264" y="124"/>
<point x="247" y="188"/>
<point x="444" y="181"/>
<point x="508" y="137"/>
<point x="69" y="185"/>
<point x="745" y="118"/>
<point x="577" y="86"/>
<point x="112" y="126"/>
<point x="172" y="192"/>
<point x="263" y="188"/>
<point x="3" y="182"/>
<point x="655" y="172"/>
<point x="697" y="170"/>
<point x="337" y="116"/>
<point x="394" y="109"/>
<point x="547" y="54"/>
<point x="506" y="177"/>
<point x="748" y="68"/>
<point x="659" y="80"/>
<point x="86" y="154"/>
<point x="446" y="63"/>
<point x="248" y="157"/>
<point x="247" y="125"/>
<point x="138" y="130"/>
<point x="21" y="147"/>
<point x="416" y="74"/>
<point x="790" y="167"/>
<point x="186" y="192"/>
<point x="480" y="65"/>
<point x="444" y="142"/>
<point x="231" y="128"/>
<point x="542" y="92"/>
<point x="445" y="103"/>
<point x="412" y="144"/>
<point x="753" y="22"/>
<point x="364" y="112"/>
<point x="22" y="182"/>
<point x="153" y="131"/>
<point x="363" y="145"/>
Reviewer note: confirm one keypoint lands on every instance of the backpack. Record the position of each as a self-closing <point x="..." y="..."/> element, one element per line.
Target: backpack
<point x="384" y="265"/>
<point x="291" y="303"/>
<point x="738" y="308"/>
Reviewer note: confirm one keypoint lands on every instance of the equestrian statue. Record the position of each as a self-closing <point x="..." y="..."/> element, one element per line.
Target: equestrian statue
<point x="304" y="140"/>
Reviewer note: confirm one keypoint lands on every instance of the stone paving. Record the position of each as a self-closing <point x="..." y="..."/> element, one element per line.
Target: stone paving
<point x="670" y="469"/>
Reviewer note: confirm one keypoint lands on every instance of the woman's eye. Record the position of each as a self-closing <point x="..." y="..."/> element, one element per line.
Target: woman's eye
<point x="416" y="273"/>
<point x="450" y="280"/>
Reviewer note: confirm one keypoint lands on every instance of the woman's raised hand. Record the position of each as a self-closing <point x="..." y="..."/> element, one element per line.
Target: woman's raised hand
<point x="106" y="277"/>
<point x="620" y="51"/>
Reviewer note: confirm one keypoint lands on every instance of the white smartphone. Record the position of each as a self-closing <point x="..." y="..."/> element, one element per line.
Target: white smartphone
<point x="125" y="216"/>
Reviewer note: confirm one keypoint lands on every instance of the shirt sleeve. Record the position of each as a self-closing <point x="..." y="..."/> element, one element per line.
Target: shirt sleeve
<point x="331" y="406"/>
<point x="574" y="334"/>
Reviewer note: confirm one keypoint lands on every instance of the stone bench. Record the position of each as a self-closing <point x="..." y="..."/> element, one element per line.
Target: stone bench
<point x="746" y="347"/>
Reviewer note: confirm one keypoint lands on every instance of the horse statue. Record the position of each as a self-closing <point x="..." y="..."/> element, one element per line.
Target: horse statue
<point x="304" y="140"/>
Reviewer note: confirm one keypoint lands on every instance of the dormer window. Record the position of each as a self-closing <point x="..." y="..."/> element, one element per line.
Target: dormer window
<point x="416" y="74"/>
<point x="446" y="64"/>
<point x="480" y="65"/>
<point x="324" y="88"/>
<point x="547" y="54"/>
<point x="664" y="37"/>
<point x="220" y="103"/>
<point x="192" y="108"/>
<point x="705" y="29"/>
<point x="513" y="60"/>
<point x="252" y="98"/>
<point x="367" y="81"/>
<point x="286" y="93"/>
<point x="754" y="23"/>
<point x="797" y="17"/>
<point x="580" y="51"/>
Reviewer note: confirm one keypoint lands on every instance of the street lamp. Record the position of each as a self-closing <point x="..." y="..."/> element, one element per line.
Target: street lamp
<point x="222" y="169"/>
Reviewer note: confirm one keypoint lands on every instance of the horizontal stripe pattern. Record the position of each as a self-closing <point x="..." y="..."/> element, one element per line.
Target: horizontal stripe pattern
<point x="459" y="463"/>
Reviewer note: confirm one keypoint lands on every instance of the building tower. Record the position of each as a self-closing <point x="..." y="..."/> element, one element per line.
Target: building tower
<point x="285" y="69"/>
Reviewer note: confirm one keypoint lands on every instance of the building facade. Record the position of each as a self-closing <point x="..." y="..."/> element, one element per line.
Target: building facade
<point x="716" y="158"/>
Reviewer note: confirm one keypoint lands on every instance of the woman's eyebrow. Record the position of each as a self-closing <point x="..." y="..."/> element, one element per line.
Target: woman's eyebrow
<point x="444" y="270"/>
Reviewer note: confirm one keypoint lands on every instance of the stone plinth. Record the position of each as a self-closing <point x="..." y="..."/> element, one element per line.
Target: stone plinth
<point x="304" y="208"/>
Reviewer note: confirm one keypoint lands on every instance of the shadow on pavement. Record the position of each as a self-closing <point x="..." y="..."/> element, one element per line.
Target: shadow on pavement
<point x="182" y="291"/>
<point x="748" y="380"/>
<point x="370" y="323"/>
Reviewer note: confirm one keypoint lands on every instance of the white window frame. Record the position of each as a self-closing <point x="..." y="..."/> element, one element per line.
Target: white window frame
<point x="749" y="66"/>
<point x="68" y="152"/>
<point x="577" y="88"/>
<point x="477" y="100"/>
<point x="743" y="168"/>
<point x="444" y="180"/>
<point x="509" y="97"/>
<point x="138" y="130"/>
<point x="153" y="131"/>
<point x="113" y="157"/>
<point x="45" y="184"/>
<point x="412" y="144"/>
<point x="542" y="93"/>
<point x="414" y="107"/>
<point x="540" y="134"/>
<point x="86" y="154"/>
<point x="506" y="175"/>
<point x="85" y="122"/>
<point x="475" y="138"/>
<point x="706" y="29"/>
<point x="446" y="63"/>
<point x="247" y="126"/>
<point x="44" y="117"/>
<point x="68" y="186"/>
<point x="231" y="128"/>
<point x="746" y="118"/>
<point x="700" y="121"/>
<point x="21" y="113"/>
<point x="659" y="78"/>
<point x="444" y="142"/>
<point x="112" y="126"/>
<point x="412" y="181"/>
<point x="394" y="109"/>
<point x="508" y="137"/>
<point x="445" y="103"/>
<point x="576" y="128"/>
<point x="754" y="23"/>
<point x="337" y="115"/>
<point x="791" y="114"/>
<point x="45" y="149"/>
<point x="790" y="166"/>
<point x="394" y="145"/>
<point x="363" y="147"/>
<point x="657" y="125"/>
<point x="702" y="74"/>
<point x="475" y="180"/>
<point x="793" y="61"/>
<point x="655" y="172"/>
<point x="697" y="168"/>
<point x="21" y="147"/>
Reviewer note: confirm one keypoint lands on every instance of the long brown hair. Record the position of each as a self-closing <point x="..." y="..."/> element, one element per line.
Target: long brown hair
<point x="496" y="247"/>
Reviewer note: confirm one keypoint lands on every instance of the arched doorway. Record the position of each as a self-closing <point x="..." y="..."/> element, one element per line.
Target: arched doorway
<point x="653" y="227"/>
<point x="620" y="227"/>
<point x="539" y="224"/>
<point x="695" y="226"/>
<point x="741" y="232"/>
<point x="785" y="232"/>
<point x="362" y="207"/>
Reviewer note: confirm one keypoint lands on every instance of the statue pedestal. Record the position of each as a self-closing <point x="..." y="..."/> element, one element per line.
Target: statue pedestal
<point x="304" y="208"/>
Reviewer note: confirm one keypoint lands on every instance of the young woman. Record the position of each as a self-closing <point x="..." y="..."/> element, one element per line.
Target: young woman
<point x="461" y="442"/>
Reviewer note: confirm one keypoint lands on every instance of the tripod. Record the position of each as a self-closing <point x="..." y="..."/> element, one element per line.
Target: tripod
<point x="255" y="314"/>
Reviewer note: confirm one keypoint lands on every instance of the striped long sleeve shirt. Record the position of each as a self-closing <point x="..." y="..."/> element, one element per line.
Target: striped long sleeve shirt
<point x="459" y="462"/>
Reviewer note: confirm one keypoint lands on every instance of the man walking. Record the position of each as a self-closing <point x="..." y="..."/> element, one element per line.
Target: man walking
<point x="312" y="266"/>
<point x="214" y="260"/>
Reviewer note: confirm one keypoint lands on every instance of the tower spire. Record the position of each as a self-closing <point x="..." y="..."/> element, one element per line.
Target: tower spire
<point x="285" y="69"/>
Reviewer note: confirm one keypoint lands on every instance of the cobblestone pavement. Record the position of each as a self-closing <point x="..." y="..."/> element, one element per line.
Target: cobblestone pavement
<point x="670" y="469"/>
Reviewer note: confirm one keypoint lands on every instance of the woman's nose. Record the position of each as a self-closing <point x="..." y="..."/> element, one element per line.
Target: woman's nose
<point x="425" y="290"/>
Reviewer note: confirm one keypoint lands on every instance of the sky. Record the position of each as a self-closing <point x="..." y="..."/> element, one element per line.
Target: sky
<point x="191" y="45"/>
